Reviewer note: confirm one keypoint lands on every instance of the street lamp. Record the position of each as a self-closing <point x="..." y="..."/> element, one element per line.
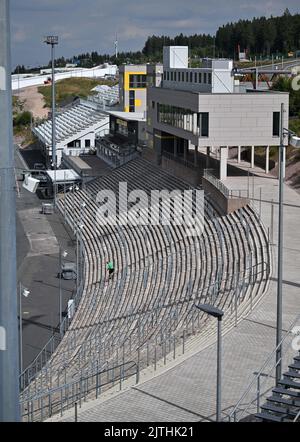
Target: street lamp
<point x="295" y="142"/>
<point x="53" y="40"/>
<point x="63" y="254"/>
<point x="22" y="292"/>
<point x="216" y="313"/>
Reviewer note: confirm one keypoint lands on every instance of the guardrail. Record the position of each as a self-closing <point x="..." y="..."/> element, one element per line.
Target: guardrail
<point x="60" y="399"/>
<point x="209" y="176"/>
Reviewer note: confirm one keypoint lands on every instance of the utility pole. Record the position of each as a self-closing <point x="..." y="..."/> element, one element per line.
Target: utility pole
<point x="9" y="344"/>
<point x="53" y="40"/>
<point x="280" y="251"/>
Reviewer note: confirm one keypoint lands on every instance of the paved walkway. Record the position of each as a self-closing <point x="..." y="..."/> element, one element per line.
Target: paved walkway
<point x="38" y="240"/>
<point x="186" y="392"/>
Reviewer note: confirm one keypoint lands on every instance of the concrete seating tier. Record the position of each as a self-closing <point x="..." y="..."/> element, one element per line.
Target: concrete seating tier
<point x="160" y="273"/>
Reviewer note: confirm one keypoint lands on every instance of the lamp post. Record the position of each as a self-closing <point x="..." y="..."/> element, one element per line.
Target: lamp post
<point x="216" y="313"/>
<point x="22" y="292"/>
<point x="63" y="254"/>
<point x="295" y="142"/>
<point x="53" y="41"/>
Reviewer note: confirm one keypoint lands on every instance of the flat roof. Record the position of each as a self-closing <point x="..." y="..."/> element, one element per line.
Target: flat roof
<point x="129" y="116"/>
<point x="63" y="175"/>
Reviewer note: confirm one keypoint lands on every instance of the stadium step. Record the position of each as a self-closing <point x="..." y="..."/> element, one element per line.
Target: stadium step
<point x="286" y="392"/>
<point x="269" y="417"/>
<point x="292" y="374"/>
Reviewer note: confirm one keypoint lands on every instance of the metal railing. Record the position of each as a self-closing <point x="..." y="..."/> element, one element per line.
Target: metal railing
<point x="209" y="176"/>
<point x="60" y="399"/>
<point x="264" y="380"/>
<point x="179" y="160"/>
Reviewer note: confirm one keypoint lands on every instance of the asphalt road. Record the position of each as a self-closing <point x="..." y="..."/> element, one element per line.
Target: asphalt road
<point x="38" y="240"/>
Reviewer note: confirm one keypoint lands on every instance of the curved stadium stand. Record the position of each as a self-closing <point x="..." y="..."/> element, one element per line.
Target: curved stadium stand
<point x="161" y="272"/>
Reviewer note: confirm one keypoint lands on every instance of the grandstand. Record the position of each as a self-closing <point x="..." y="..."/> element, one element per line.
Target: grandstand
<point x="147" y="310"/>
<point x="105" y="96"/>
<point x="78" y="123"/>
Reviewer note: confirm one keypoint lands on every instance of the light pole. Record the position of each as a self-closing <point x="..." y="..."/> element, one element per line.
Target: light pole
<point x="53" y="40"/>
<point x="63" y="254"/>
<point x="22" y="292"/>
<point x="216" y="313"/>
<point x="295" y="142"/>
<point x="9" y="357"/>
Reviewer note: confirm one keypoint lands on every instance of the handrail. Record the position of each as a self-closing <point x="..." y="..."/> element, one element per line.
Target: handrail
<point x="208" y="175"/>
<point x="297" y="417"/>
<point x="62" y="393"/>
<point x="259" y="374"/>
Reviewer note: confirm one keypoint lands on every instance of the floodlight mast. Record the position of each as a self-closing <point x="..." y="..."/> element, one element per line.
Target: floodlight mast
<point x="9" y="359"/>
<point x="53" y="41"/>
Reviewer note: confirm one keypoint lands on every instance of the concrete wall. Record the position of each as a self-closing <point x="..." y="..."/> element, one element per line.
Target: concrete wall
<point x="224" y="204"/>
<point x="234" y="119"/>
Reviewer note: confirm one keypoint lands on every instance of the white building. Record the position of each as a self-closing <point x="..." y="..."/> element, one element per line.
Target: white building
<point x="198" y="109"/>
<point x="76" y="131"/>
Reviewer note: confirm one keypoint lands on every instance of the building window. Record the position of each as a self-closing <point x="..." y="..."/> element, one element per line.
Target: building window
<point x="187" y="77"/>
<point x="182" y="76"/>
<point x="205" y="77"/>
<point x="200" y="77"/>
<point x="165" y="75"/>
<point x="175" y="76"/>
<point x="179" y="76"/>
<point x="168" y="75"/>
<point x="195" y="77"/>
<point x="153" y="104"/>
<point x="137" y="81"/>
<point x="172" y="76"/>
<point x="180" y="118"/>
<point x="191" y="77"/>
<point x="131" y="101"/>
<point x="209" y="78"/>
<point x="203" y="124"/>
<point x="87" y="143"/>
<point x="276" y="124"/>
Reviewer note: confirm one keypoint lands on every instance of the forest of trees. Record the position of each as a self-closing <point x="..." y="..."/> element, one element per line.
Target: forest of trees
<point x="260" y="37"/>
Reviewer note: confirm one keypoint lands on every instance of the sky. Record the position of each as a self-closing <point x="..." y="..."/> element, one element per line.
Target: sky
<point x="91" y="25"/>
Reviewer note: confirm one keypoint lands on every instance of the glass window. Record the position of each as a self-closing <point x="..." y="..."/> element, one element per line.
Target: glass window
<point x="87" y="143"/>
<point x="191" y="77"/>
<point x="175" y="76"/>
<point x="165" y="75"/>
<point x="203" y="124"/>
<point x="168" y="75"/>
<point x="209" y="78"/>
<point x="137" y="81"/>
<point x="182" y="76"/>
<point x="172" y="76"/>
<point x="276" y="124"/>
<point x="187" y="77"/>
<point x="200" y="77"/>
<point x="195" y="77"/>
<point x="205" y="77"/>
<point x="131" y="101"/>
